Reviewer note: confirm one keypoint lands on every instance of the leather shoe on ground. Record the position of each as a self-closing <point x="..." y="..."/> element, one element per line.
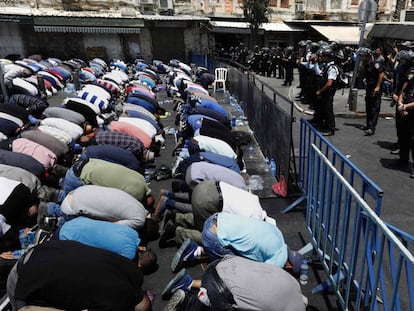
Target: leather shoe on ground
<point x="369" y="132"/>
<point x="328" y="133"/>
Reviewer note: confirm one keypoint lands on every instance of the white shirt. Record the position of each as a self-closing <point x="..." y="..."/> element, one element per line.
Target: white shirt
<point x="74" y="130"/>
<point x="55" y="132"/>
<point x="215" y="145"/>
<point x="7" y="186"/>
<point x="241" y="202"/>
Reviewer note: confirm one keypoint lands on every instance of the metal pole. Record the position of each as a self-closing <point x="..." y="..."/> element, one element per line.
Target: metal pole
<point x="353" y="92"/>
<point x="3" y="84"/>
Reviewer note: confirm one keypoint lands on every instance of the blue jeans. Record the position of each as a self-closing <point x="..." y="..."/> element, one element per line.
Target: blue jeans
<point x="211" y="243"/>
<point x="71" y="181"/>
<point x="54" y="210"/>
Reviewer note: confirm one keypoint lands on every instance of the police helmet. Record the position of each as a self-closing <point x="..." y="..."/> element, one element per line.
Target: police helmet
<point x="325" y="51"/>
<point x="340" y="55"/>
<point x="314" y="47"/>
<point x="302" y="44"/>
<point x="321" y="43"/>
<point x="335" y="45"/>
<point x="363" y="51"/>
<point x="403" y="55"/>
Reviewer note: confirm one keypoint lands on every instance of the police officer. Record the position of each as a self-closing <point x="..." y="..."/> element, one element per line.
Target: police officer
<point x="374" y="75"/>
<point x="327" y="89"/>
<point x="289" y="62"/>
<point x="405" y="109"/>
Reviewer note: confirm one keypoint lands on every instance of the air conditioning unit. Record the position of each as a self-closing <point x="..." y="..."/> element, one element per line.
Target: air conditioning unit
<point x="166" y="4"/>
<point x="166" y="7"/>
<point x="300" y="7"/>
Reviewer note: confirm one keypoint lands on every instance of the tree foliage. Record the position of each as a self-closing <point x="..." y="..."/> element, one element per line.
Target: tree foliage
<point x="256" y="13"/>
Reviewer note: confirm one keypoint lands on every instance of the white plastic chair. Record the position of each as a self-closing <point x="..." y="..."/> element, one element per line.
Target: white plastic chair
<point x="220" y="79"/>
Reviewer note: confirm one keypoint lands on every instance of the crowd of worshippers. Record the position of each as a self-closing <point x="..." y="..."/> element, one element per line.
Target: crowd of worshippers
<point x="73" y="175"/>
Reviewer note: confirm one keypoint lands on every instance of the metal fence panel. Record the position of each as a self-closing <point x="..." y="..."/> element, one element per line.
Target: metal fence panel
<point x="368" y="266"/>
<point x="270" y="120"/>
<point x="366" y="188"/>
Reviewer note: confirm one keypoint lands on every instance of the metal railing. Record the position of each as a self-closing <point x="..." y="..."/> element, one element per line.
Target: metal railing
<point x="366" y="188"/>
<point x="368" y="266"/>
<point x="269" y="113"/>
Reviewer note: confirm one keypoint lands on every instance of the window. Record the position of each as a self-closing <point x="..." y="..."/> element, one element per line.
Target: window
<point x="284" y="3"/>
<point x="273" y="3"/>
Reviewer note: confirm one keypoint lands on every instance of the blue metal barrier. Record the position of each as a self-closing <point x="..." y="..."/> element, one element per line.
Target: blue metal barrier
<point x="368" y="266"/>
<point x="366" y="188"/>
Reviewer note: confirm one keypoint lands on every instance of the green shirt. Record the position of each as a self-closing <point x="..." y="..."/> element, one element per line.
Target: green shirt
<point x="108" y="174"/>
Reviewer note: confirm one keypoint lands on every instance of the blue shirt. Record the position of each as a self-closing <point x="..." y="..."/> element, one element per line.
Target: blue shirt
<point x="114" y="154"/>
<point x="206" y="103"/>
<point x="113" y="237"/>
<point x="221" y="160"/>
<point x="252" y="238"/>
<point x="141" y="102"/>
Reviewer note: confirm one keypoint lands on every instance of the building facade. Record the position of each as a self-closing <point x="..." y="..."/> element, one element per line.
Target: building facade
<point x="165" y="29"/>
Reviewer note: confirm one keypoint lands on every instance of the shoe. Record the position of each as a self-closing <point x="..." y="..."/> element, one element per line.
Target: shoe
<point x="160" y="207"/>
<point x="395" y="151"/>
<point x="42" y="212"/>
<point x="181" y="281"/>
<point x="167" y="234"/>
<point x="50" y="224"/>
<point x="369" y="132"/>
<point x="168" y="215"/>
<point x="41" y="236"/>
<point x="184" y="254"/>
<point x="328" y="133"/>
<point x="175" y="301"/>
<point x="412" y="173"/>
<point x="47" y="194"/>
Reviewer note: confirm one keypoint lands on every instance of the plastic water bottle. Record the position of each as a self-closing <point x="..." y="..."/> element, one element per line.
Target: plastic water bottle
<point x="227" y="97"/>
<point x="24" y="239"/>
<point x="251" y="151"/>
<point x="31" y="236"/>
<point x="273" y="168"/>
<point x="233" y="101"/>
<point x="233" y="121"/>
<point x="267" y="164"/>
<point x="18" y="253"/>
<point x="304" y="270"/>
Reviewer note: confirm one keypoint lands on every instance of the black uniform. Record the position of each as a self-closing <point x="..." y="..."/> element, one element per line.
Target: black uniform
<point x="373" y="69"/>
